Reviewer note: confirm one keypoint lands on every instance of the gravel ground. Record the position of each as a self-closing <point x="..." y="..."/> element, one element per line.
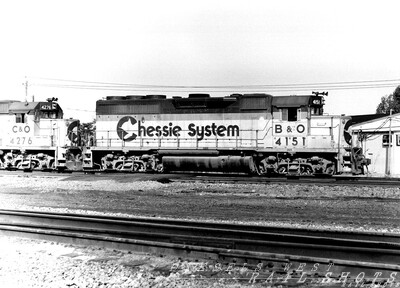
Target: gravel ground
<point x="36" y="263"/>
<point x="26" y="263"/>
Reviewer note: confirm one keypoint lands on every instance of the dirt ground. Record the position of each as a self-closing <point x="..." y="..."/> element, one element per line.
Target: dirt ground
<point x="336" y="207"/>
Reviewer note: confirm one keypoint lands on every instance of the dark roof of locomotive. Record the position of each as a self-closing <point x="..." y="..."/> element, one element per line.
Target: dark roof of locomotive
<point x="28" y="107"/>
<point x="5" y="106"/>
<point x="197" y="103"/>
<point x="290" y="101"/>
<point x="22" y="107"/>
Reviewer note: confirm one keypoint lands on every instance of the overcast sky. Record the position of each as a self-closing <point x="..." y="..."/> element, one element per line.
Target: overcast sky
<point x="200" y="43"/>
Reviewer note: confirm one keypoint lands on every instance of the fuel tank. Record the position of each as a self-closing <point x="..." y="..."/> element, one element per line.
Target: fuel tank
<point x="209" y="164"/>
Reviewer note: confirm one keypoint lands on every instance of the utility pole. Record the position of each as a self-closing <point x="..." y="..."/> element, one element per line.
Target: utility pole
<point x="389" y="154"/>
<point x="26" y="89"/>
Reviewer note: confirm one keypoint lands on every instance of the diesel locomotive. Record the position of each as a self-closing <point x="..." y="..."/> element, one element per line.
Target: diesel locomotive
<point x="33" y="135"/>
<point x="241" y="133"/>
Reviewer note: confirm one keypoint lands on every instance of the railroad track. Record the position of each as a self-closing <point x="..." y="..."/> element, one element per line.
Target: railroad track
<point x="306" y="180"/>
<point x="298" y="251"/>
<point x="338" y="180"/>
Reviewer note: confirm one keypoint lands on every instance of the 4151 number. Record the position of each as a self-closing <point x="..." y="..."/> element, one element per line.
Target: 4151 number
<point x="290" y="141"/>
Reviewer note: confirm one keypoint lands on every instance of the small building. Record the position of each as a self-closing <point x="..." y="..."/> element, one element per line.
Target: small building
<point x="383" y="151"/>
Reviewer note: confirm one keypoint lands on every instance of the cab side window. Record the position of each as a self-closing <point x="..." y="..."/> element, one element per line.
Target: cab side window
<point x="292" y="114"/>
<point x="20" y="118"/>
<point x="289" y="114"/>
<point x="315" y="111"/>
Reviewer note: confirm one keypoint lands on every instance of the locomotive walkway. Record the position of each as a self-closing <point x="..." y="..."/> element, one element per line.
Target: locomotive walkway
<point x="274" y="247"/>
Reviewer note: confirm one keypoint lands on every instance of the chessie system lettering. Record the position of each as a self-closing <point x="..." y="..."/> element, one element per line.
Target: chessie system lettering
<point x="194" y="130"/>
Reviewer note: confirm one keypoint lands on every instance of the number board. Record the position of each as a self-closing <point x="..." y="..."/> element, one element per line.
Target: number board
<point x="291" y="142"/>
<point x="48" y="106"/>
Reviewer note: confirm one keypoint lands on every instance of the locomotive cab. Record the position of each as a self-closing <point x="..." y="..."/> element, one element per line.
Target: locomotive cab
<point x="300" y="135"/>
<point x="294" y="108"/>
<point x="36" y="110"/>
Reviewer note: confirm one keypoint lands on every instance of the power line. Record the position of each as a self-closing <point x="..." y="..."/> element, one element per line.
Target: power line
<point x="205" y="89"/>
<point x="108" y="86"/>
<point x="342" y="84"/>
<point x="82" y="110"/>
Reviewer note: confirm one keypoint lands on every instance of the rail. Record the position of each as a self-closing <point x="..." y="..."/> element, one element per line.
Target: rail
<point x="272" y="247"/>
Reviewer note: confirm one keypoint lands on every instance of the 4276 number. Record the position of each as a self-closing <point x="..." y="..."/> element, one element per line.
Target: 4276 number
<point x="21" y="140"/>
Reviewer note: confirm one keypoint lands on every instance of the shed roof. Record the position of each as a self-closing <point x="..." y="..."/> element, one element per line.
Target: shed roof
<point x="379" y="125"/>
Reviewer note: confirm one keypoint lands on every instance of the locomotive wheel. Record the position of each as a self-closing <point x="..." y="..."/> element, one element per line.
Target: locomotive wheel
<point x="135" y="167"/>
<point x="282" y="170"/>
<point x="261" y="169"/>
<point x="139" y="166"/>
<point x="18" y="165"/>
<point x="126" y="165"/>
<point x="331" y="169"/>
<point x="159" y="168"/>
<point x="306" y="170"/>
<point x="35" y="165"/>
<point x="52" y="165"/>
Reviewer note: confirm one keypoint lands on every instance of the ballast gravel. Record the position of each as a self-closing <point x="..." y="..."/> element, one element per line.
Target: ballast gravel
<point x="35" y="263"/>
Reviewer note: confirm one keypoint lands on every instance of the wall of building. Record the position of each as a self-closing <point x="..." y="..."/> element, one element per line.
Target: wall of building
<point x="385" y="156"/>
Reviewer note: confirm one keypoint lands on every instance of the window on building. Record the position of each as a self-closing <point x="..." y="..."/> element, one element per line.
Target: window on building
<point x="386" y="140"/>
